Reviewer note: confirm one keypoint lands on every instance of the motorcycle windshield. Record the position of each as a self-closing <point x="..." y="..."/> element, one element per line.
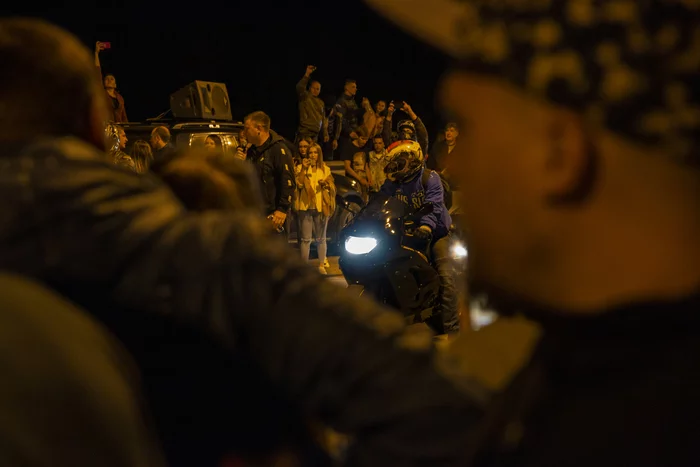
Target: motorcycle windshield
<point x="382" y="206"/>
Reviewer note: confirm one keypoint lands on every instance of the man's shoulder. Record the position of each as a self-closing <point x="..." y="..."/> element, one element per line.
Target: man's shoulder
<point x="280" y="146"/>
<point x="343" y="102"/>
<point x="431" y="177"/>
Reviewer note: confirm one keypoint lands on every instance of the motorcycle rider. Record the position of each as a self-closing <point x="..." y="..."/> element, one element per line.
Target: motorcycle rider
<point x="412" y="183"/>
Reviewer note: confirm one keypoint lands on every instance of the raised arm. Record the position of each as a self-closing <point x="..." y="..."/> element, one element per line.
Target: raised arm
<point x="302" y="92"/>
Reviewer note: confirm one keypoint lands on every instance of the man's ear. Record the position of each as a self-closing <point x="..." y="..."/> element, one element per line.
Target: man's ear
<point x="571" y="162"/>
<point x="98" y="118"/>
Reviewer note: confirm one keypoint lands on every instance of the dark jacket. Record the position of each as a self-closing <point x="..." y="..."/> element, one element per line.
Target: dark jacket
<point x="613" y="387"/>
<point x="438" y="156"/>
<point x="274" y="164"/>
<point x="107" y="237"/>
<point x="163" y="156"/>
<point x="421" y="134"/>
<point x="347" y="107"/>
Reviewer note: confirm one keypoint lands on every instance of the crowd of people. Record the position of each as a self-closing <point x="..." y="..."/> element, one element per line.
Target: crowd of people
<point x="357" y="135"/>
<point x="156" y="319"/>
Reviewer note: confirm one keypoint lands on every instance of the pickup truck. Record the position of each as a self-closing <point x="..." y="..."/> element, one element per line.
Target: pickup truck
<point x="193" y="133"/>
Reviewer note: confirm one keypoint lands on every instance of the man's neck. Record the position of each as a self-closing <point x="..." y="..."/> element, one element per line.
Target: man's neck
<point x="633" y="252"/>
<point x="263" y="139"/>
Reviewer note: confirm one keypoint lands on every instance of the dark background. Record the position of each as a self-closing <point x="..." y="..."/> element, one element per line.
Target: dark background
<point x="259" y="49"/>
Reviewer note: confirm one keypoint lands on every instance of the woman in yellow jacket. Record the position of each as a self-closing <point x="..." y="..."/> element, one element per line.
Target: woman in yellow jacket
<point x="315" y="202"/>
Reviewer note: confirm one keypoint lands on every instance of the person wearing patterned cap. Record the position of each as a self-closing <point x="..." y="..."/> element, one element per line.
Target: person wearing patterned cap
<point x="586" y="117"/>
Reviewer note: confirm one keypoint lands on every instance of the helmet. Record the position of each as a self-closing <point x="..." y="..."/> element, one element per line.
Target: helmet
<point x="405" y="159"/>
<point x="406" y="130"/>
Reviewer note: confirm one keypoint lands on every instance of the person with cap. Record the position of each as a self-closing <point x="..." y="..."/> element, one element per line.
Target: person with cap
<point x="586" y="117"/>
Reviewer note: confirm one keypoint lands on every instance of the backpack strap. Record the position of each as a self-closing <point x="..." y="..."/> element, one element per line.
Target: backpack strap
<point x="425" y="177"/>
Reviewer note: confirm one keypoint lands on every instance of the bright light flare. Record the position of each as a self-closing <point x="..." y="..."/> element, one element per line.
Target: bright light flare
<point x="459" y="251"/>
<point x="360" y="245"/>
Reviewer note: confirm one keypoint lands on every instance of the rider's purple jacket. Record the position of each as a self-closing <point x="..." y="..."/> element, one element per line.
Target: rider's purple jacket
<point x="413" y="193"/>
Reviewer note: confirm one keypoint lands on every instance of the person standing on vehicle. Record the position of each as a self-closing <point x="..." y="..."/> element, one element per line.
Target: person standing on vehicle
<point x="380" y="111"/>
<point x="273" y="161"/>
<point x="346" y="115"/>
<point x="581" y="186"/>
<point x="312" y="110"/>
<point x="412" y="129"/>
<point x="163" y="149"/>
<point x="316" y="203"/>
<point x="116" y="105"/>
<point x="412" y="183"/>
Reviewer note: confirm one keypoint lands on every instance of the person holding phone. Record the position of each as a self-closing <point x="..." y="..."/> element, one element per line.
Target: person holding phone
<point x="115" y="100"/>
<point x="315" y="203"/>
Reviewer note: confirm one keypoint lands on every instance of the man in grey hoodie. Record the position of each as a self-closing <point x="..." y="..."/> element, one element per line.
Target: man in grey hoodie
<point x="312" y="114"/>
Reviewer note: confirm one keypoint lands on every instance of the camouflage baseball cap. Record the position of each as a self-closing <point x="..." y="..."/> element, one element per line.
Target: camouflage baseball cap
<point x="632" y="66"/>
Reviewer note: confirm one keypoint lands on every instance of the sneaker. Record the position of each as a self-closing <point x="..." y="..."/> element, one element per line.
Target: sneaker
<point x="322" y="270"/>
<point x="326" y="264"/>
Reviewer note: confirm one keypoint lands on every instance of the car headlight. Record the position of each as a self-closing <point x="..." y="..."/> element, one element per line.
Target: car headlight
<point x="459" y="251"/>
<point x="360" y="245"/>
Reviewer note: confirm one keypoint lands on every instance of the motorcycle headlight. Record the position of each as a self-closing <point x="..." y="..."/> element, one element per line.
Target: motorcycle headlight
<point x="459" y="251"/>
<point x="360" y="245"/>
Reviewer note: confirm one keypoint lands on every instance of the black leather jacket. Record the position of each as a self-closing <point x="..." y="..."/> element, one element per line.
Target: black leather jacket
<point x="89" y="229"/>
<point x="273" y="161"/>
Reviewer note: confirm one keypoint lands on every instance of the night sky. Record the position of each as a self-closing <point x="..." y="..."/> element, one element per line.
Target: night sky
<point x="259" y="49"/>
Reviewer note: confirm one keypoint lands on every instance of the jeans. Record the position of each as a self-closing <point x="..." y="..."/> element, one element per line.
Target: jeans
<point x="448" y="301"/>
<point x="313" y="224"/>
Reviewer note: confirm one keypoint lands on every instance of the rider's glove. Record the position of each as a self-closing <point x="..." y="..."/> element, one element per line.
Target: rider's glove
<point x="424" y="234"/>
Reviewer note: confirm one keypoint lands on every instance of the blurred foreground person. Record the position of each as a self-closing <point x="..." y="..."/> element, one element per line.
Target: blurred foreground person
<point x="204" y="180"/>
<point x="579" y="164"/>
<point x="112" y="239"/>
<point x="68" y="395"/>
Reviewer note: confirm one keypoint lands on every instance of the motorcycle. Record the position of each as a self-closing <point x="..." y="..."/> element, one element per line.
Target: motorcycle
<point x="381" y="254"/>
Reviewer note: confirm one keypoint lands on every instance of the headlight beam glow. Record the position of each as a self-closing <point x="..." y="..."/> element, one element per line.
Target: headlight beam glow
<point x="360" y="245"/>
